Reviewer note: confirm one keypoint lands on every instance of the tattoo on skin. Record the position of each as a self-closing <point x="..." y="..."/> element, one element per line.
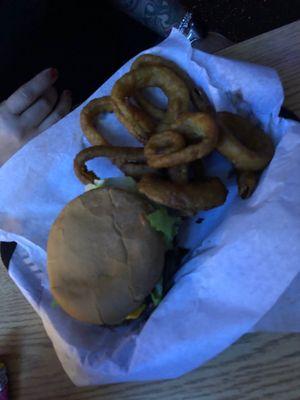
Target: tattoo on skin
<point x="158" y="15"/>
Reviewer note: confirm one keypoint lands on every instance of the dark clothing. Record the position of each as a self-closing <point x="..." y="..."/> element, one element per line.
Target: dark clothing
<point x="86" y="41"/>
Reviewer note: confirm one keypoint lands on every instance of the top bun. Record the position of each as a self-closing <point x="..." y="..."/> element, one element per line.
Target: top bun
<point x="103" y="256"/>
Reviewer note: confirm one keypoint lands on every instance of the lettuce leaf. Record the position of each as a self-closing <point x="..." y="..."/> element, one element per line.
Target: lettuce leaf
<point x="156" y="297"/>
<point x="163" y="222"/>
<point x="157" y="293"/>
<point x="54" y="304"/>
<point x="122" y="182"/>
<point x="97" y="184"/>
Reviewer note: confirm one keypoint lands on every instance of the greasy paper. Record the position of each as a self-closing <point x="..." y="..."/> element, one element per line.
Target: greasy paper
<point x="243" y="256"/>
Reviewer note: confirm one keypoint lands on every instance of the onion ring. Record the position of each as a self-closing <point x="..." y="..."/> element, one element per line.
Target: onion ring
<point x="136" y="170"/>
<point x="247" y="182"/>
<point x="87" y="116"/>
<point x="245" y="145"/>
<point x="188" y="198"/>
<point x="199" y="129"/>
<point x="165" y="143"/>
<point x="136" y="120"/>
<point x="154" y="111"/>
<point x="179" y="174"/>
<point x="119" y="155"/>
<point x="198" y="96"/>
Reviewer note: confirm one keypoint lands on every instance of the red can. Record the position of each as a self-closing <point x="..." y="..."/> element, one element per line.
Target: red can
<point x="3" y="383"/>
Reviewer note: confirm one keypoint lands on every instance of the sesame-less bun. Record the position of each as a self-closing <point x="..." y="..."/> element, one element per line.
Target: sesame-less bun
<point x="103" y="256"/>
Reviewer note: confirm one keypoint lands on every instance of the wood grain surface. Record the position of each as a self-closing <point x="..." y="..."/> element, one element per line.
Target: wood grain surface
<point x="279" y="49"/>
<point x="258" y="366"/>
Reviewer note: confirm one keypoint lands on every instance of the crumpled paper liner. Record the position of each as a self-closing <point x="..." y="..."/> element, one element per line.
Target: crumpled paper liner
<point x="243" y="257"/>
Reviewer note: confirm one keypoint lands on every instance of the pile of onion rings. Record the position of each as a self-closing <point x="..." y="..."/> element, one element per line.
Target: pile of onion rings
<point x="169" y="168"/>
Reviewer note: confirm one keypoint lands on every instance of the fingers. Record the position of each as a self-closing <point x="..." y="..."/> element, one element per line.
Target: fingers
<point x="62" y="108"/>
<point x="28" y="93"/>
<point x="29" y="111"/>
<point x="39" y="110"/>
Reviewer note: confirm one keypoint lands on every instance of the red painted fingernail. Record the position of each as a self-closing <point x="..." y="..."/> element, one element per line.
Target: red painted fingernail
<point x="53" y="73"/>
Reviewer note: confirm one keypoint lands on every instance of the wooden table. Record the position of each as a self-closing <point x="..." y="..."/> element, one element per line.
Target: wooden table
<point x="258" y="366"/>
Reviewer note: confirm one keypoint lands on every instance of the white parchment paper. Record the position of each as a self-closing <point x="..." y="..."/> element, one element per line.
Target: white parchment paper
<point x="244" y="258"/>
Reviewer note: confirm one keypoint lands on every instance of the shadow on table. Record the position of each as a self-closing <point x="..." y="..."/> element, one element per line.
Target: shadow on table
<point x="10" y="355"/>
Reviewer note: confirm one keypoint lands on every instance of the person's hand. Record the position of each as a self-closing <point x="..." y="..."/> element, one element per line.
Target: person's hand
<point x="34" y="107"/>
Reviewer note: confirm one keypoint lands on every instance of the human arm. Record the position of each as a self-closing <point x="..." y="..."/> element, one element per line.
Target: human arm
<point x="158" y="15"/>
